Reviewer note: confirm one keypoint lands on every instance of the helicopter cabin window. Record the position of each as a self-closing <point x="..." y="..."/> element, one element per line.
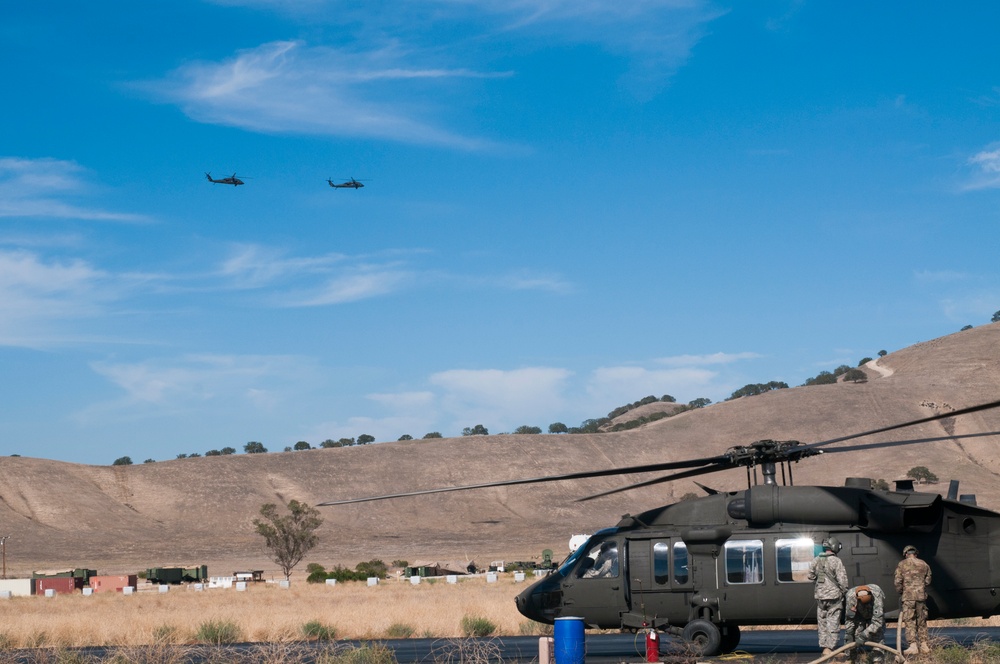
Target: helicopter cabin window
<point x="744" y="561"/>
<point x="600" y="562"/>
<point x="793" y="557"/>
<point x="680" y="562"/>
<point x="661" y="563"/>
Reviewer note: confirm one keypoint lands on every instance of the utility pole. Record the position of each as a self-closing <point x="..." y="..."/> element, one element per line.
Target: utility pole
<point x="3" y="554"/>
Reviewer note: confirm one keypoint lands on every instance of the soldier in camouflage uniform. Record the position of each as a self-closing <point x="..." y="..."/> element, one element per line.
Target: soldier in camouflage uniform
<point x="865" y="622"/>
<point x="913" y="576"/>
<point x="831" y="584"/>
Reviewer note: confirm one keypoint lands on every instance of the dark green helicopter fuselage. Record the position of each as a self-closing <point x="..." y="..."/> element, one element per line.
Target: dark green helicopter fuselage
<point x="742" y="558"/>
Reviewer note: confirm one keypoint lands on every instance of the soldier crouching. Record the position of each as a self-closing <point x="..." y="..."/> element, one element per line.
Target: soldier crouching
<point x="865" y="622"/>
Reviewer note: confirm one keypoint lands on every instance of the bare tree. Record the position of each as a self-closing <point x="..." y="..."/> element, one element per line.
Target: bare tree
<point x="288" y="537"/>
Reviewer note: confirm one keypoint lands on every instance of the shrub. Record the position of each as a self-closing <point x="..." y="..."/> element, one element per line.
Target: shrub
<point x="532" y="628"/>
<point x="165" y="634"/>
<point x="951" y="654"/>
<point x="369" y="654"/>
<point x="314" y="629"/>
<point x="399" y="631"/>
<point x="478" y="626"/>
<point x="218" y="632"/>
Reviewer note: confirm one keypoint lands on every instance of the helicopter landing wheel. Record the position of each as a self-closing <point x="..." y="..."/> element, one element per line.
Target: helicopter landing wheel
<point x="704" y="637"/>
<point x="730" y="638"/>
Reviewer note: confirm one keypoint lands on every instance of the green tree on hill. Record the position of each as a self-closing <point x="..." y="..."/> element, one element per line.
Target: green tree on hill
<point x="921" y="474"/>
<point x="856" y="376"/>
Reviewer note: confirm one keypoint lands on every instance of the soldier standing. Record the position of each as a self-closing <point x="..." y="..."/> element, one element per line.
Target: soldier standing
<point x="913" y="576"/>
<point x="865" y="621"/>
<point x="828" y="572"/>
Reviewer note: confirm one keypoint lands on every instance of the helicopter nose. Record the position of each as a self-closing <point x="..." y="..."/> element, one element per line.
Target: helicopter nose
<point x="538" y="602"/>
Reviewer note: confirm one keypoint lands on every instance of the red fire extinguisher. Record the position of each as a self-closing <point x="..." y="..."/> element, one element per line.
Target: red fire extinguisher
<point x="652" y="645"/>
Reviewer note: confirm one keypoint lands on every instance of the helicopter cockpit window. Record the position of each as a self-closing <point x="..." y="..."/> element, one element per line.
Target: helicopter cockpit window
<point x="744" y="561"/>
<point x="600" y="562"/>
<point x="793" y="557"/>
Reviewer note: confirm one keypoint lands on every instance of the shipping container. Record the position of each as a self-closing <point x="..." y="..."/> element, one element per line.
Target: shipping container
<point x="112" y="583"/>
<point x="79" y="575"/>
<point x="18" y="587"/>
<point x="60" y="584"/>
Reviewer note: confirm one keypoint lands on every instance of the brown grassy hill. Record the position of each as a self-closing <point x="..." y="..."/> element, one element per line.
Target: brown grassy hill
<point x="194" y="511"/>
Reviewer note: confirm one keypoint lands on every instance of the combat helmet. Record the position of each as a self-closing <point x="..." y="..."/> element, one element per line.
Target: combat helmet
<point x="831" y="543"/>
<point x="908" y="549"/>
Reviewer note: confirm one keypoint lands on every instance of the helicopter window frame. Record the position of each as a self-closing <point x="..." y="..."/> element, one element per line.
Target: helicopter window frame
<point x="792" y="557"/>
<point x="744" y="562"/>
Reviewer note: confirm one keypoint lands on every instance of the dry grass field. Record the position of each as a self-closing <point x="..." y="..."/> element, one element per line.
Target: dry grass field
<point x="263" y="613"/>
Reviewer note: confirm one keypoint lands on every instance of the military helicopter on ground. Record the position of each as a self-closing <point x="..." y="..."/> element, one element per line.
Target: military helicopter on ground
<point x="349" y="184"/>
<point x="701" y="568"/>
<point x="233" y="180"/>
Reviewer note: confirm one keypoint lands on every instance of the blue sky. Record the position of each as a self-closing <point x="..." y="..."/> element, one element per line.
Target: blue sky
<point x="569" y="205"/>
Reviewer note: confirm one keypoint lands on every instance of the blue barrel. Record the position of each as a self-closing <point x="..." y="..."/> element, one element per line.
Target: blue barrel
<point x="570" y="646"/>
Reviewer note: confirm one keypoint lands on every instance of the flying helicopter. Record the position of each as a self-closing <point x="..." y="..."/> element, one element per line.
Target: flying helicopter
<point x="701" y="568"/>
<point x="233" y="180"/>
<point x="349" y="184"/>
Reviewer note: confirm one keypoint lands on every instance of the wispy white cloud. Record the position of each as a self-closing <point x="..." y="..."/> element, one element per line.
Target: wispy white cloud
<point x="656" y="35"/>
<point x="502" y="399"/>
<point x="501" y="396"/>
<point x="624" y="384"/>
<point x="36" y="294"/>
<point x="369" y="283"/>
<point x="701" y="360"/>
<point x="331" y="279"/>
<point x="193" y="382"/>
<point x="391" y="78"/>
<point x="986" y="169"/>
<point x="940" y="276"/>
<point x="50" y="188"/>
<point x="253" y="266"/>
<point x="289" y="87"/>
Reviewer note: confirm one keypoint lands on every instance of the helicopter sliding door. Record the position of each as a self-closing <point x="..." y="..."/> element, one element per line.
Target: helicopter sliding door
<point x="660" y="582"/>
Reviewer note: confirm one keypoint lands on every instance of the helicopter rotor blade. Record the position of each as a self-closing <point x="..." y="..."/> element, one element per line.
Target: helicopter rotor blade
<point x="893" y="427"/>
<point x="766" y="451"/>
<point x="724" y="466"/>
<point x="586" y="474"/>
<point x="676" y="476"/>
<point x="912" y="441"/>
